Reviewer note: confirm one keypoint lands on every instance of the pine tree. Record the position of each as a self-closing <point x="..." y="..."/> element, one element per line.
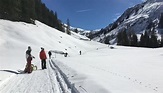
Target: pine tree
<point x="25" y="11"/>
<point x="5" y="7"/>
<point x="161" y="43"/>
<point x="38" y="10"/>
<point x="32" y="11"/>
<point x="153" y="43"/>
<point x="134" y="40"/>
<point x="68" y="27"/>
<point x="60" y="26"/>
<point x="122" y="38"/>
<point x="125" y="40"/>
<point x="17" y="11"/>
<point x="28" y="11"/>
<point x="119" y="38"/>
<point x="76" y="30"/>
<point x="107" y="40"/>
<point x="141" y="43"/>
<point x="146" y="39"/>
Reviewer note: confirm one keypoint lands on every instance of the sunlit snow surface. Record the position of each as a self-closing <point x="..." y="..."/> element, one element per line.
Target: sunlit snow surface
<point x="99" y="69"/>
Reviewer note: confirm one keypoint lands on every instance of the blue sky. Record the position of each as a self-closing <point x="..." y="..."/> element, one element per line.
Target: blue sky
<point x="89" y="14"/>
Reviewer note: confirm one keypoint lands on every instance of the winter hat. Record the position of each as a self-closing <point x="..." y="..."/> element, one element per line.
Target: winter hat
<point x="42" y="48"/>
<point x="29" y="48"/>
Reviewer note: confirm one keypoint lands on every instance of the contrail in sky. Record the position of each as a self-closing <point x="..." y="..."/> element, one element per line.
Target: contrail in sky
<point x="85" y="10"/>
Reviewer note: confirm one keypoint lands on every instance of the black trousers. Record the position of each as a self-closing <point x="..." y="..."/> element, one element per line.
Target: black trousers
<point x="43" y="63"/>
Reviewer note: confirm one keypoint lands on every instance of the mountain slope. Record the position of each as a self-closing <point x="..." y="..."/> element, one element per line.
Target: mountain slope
<point x="136" y="19"/>
<point x="16" y="37"/>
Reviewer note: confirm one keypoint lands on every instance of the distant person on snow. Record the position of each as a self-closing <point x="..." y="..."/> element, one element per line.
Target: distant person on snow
<point x="29" y="58"/>
<point x="50" y="53"/>
<point x="43" y="58"/>
<point x="80" y="52"/>
<point x="65" y="54"/>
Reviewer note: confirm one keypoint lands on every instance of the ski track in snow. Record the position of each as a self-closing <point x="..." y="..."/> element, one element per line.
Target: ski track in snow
<point x="131" y="79"/>
<point x="40" y="81"/>
<point x="152" y="87"/>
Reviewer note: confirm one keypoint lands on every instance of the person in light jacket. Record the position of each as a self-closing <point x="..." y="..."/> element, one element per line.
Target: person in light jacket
<point x="43" y="58"/>
<point x="29" y="58"/>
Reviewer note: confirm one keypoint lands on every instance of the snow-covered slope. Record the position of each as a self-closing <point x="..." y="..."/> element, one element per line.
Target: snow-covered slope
<point x="100" y="69"/>
<point x="136" y="19"/>
<point x="17" y="36"/>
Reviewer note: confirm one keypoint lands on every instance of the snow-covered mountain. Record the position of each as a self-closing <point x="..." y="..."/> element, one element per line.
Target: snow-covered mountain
<point x="80" y="31"/>
<point x="137" y="19"/>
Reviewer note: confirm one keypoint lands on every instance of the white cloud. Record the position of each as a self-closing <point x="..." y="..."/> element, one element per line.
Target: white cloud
<point x="143" y="0"/>
<point x="84" y="10"/>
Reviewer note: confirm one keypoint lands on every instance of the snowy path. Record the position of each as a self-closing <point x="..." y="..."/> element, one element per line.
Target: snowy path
<point x="39" y="81"/>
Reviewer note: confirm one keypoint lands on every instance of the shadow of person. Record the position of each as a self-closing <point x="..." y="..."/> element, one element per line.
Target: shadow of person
<point x="14" y="72"/>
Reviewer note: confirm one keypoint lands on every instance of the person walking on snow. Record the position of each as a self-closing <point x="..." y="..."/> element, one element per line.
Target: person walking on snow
<point x="29" y="58"/>
<point x="43" y="58"/>
<point x="50" y="53"/>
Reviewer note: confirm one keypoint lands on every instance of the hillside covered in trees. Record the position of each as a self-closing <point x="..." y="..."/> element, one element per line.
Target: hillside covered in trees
<point x="28" y="11"/>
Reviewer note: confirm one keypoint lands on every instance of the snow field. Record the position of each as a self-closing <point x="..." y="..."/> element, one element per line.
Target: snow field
<point x="119" y="70"/>
<point x="98" y="70"/>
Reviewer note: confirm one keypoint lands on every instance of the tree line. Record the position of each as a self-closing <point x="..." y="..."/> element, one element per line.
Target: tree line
<point x="28" y="11"/>
<point x="148" y="39"/>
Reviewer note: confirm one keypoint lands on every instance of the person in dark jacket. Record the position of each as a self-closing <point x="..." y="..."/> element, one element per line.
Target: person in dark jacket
<point x="29" y="58"/>
<point x="43" y="58"/>
<point x="50" y="53"/>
